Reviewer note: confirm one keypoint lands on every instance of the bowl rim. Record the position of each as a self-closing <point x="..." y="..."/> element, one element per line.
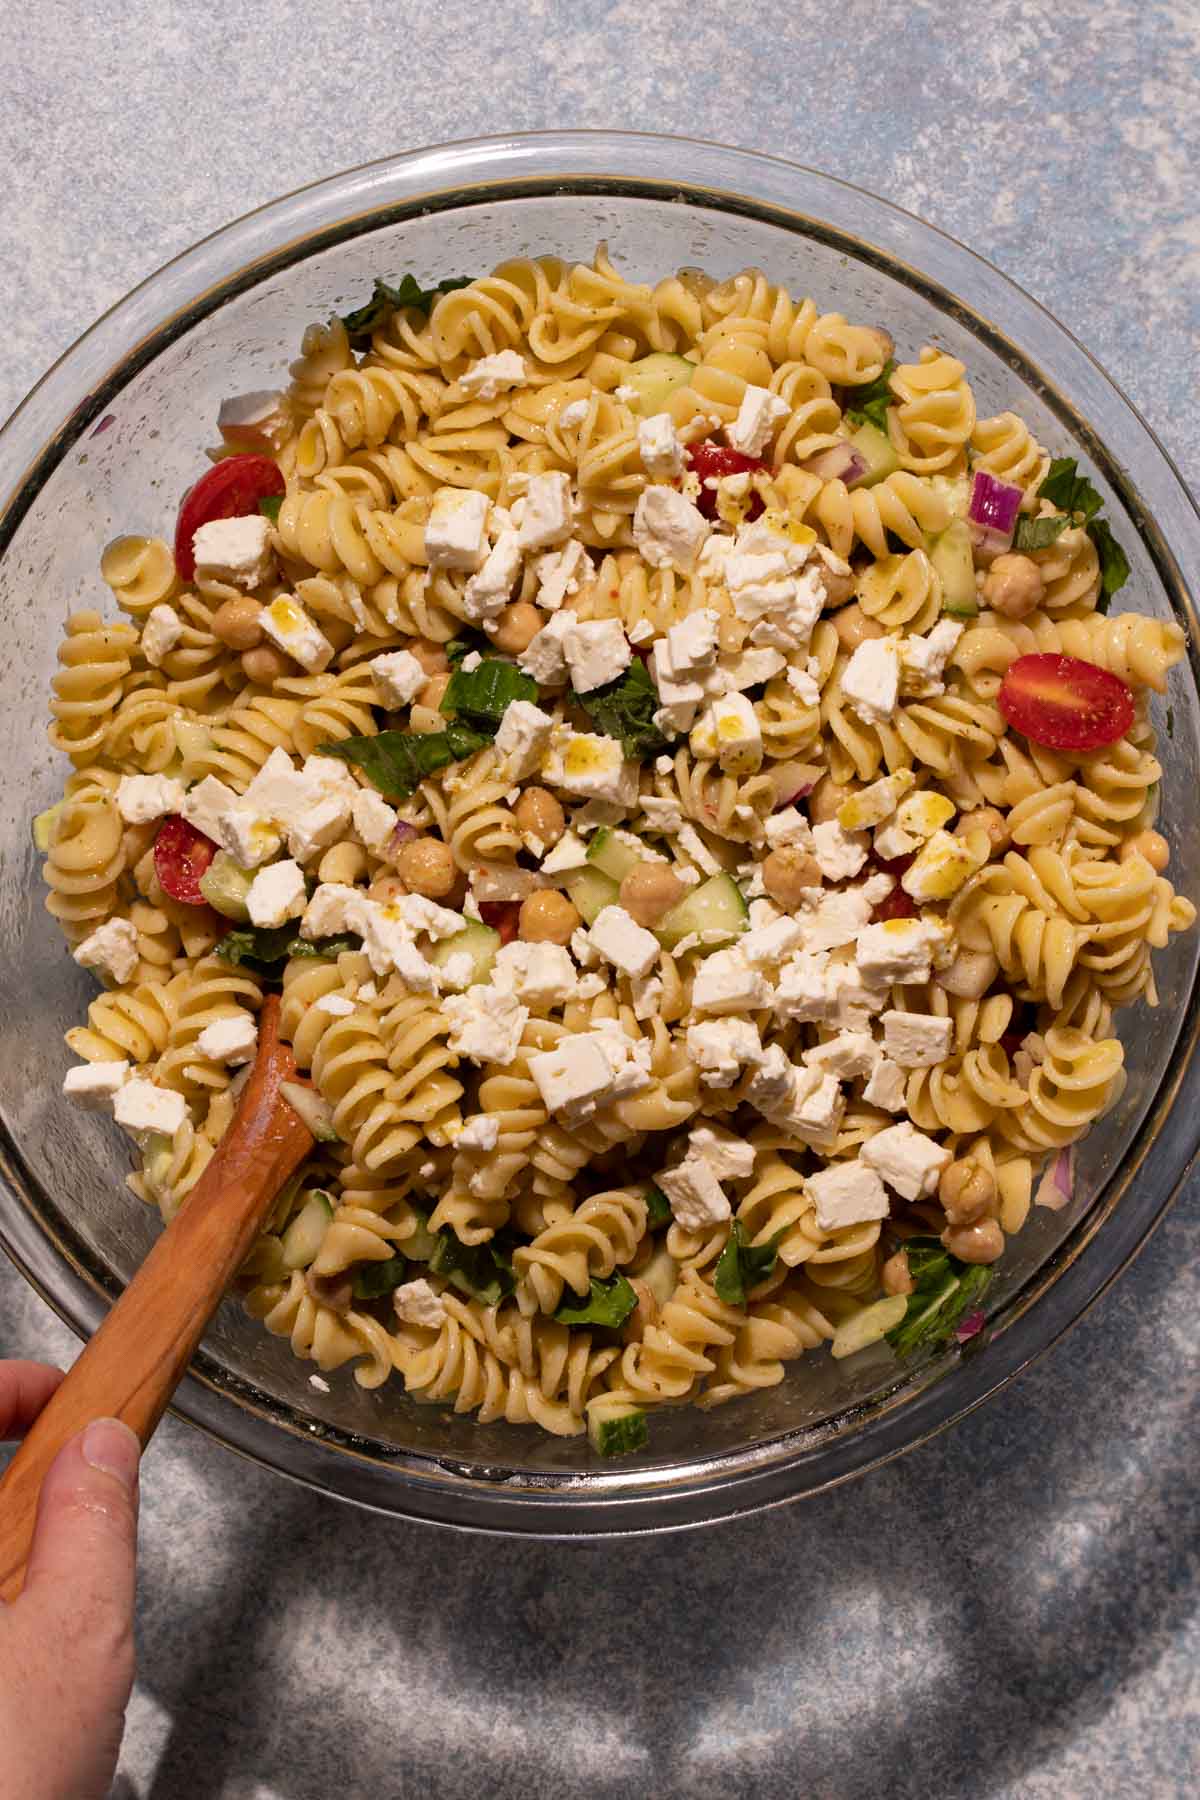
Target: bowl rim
<point x="65" y="404"/>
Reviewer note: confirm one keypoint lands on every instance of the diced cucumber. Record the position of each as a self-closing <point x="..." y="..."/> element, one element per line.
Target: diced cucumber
<point x="477" y="941"/>
<point x="955" y="490"/>
<point x="225" y="885"/>
<point x="661" y="1274"/>
<point x="655" y="379"/>
<point x="44" y="825"/>
<point x="592" y="890"/>
<point x="304" y="1235"/>
<point x="875" y="448"/>
<point x="716" y="905"/>
<point x="611" y="855"/>
<point x="194" y="740"/>
<point x="312" y="1108"/>
<point x="951" y="557"/>
<point x="868" y="1324"/>
<point x="421" y="1245"/>
<point x="616" y="1427"/>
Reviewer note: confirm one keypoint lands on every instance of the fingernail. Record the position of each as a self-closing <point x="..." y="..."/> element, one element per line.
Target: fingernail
<point x="109" y="1444"/>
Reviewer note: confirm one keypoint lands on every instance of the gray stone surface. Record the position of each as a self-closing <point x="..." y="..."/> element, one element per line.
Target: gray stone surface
<point x="1010" y="1610"/>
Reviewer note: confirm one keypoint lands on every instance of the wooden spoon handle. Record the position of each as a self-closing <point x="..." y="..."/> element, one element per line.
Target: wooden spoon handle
<point x="135" y="1361"/>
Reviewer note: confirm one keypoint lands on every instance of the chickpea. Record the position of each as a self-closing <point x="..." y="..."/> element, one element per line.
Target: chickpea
<point x="786" y="872"/>
<point x="644" y="1313"/>
<point x="426" y="866"/>
<point x="538" y="814"/>
<point x="547" y="918"/>
<point x="982" y="1242"/>
<point x="516" y="627"/>
<point x="1150" y="844"/>
<point x="967" y="1192"/>
<point x="895" y="1274"/>
<point x="264" y="664"/>
<point x="853" y="626"/>
<point x="431" y="694"/>
<point x="825" y="799"/>
<point x="989" y="819"/>
<point x="238" y="623"/>
<point x="432" y="657"/>
<point x="1013" y="586"/>
<point x="650" y="890"/>
<point x="386" y="888"/>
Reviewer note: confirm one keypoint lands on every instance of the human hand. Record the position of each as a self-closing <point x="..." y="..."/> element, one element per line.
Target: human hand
<point x="66" y="1645"/>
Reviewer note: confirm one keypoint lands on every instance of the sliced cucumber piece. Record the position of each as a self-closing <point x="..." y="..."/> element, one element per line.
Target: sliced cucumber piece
<point x="315" y="1111"/>
<point x="717" y="905"/>
<point x="867" y="1325"/>
<point x="611" y="855"/>
<point x="655" y="379"/>
<point x="661" y="1274"/>
<point x="616" y="1427"/>
<point x="476" y="941"/>
<point x="592" y="890"/>
<point x="44" y="827"/>
<point x="304" y="1235"/>
<point x="951" y="557"/>
<point x="225" y="885"/>
<point x="421" y="1245"/>
<point x="875" y="448"/>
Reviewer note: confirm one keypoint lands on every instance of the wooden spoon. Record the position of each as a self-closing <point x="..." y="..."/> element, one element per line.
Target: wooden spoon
<point x="137" y="1358"/>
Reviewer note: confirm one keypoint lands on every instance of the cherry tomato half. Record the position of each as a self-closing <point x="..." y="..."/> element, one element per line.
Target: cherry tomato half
<point x="181" y="855"/>
<point x="898" y="905"/>
<point x="1065" y="703"/>
<point x="710" y="462"/>
<point x="231" y="489"/>
<point x="503" y="916"/>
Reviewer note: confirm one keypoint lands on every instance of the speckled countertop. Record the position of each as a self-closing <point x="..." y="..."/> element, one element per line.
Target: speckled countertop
<point x="1010" y="1610"/>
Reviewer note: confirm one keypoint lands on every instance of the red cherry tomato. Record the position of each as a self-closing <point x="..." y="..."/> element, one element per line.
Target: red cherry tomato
<point x="1065" y="703"/>
<point x="891" y="865"/>
<point x="181" y="855"/>
<point x="710" y="462"/>
<point x="898" y="905"/>
<point x="503" y="916"/>
<point x="231" y="490"/>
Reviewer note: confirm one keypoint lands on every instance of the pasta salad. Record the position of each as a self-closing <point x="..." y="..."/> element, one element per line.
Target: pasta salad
<point x="680" y="769"/>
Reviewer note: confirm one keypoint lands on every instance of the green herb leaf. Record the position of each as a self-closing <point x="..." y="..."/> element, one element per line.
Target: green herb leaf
<point x="625" y="709"/>
<point x="269" y="507"/>
<point x="742" y="1265"/>
<point x="1114" y="564"/>
<point x="609" y="1303"/>
<point x="1037" y="534"/>
<point x="483" y="1271"/>
<point x="1067" y="489"/>
<point x="397" y="762"/>
<point x="460" y="647"/>
<point x="265" y="947"/>
<point x="482" y="695"/>
<point x="943" y="1290"/>
<point x="870" y="403"/>
<point x="410" y="296"/>
<point x="658" y="1208"/>
<point x="373" y="1280"/>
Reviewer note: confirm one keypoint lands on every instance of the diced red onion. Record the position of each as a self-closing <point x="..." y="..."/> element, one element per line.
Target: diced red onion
<point x="992" y="513"/>
<point x="801" y="793"/>
<point x="970" y="1325"/>
<point x="1057" y="1185"/>
<point x="402" y="833"/>
<point x="501" y="882"/>
<point x="840" y="462"/>
<point x="106" y="422"/>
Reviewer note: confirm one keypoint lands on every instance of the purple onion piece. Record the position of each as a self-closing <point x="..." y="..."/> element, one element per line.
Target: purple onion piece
<point x="839" y="462"/>
<point x="970" y="1325"/>
<point x="988" y="543"/>
<point x="402" y="833"/>
<point x="994" y="505"/>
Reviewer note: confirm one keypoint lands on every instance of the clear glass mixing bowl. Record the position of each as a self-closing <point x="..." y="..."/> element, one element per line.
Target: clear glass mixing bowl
<point x="108" y="441"/>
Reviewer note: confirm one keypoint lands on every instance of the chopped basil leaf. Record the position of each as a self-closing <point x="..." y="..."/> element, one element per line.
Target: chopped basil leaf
<point x="870" y="403"/>
<point x="373" y="1280"/>
<point x="625" y="709"/>
<point x="742" y="1265"/>
<point x="264" y="947"/>
<point x="609" y="1303"/>
<point x="943" y="1290"/>
<point x="269" y="508"/>
<point x="481" y="695"/>
<point x="1037" y="534"/>
<point x="482" y="1271"/>
<point x="397" y="762"/>
<point x="1065" y="487"/>
<point x="1114" y="564"/>
<point x="410" y="296"/>
<point x="658" y="1208"/>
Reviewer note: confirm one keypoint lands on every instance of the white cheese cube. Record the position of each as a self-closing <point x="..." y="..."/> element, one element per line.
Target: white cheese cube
<point x="804" y="686"/>
<point x="726" y="983"/>
<point x="253" y="418"/>
<point x="621" y="941"/>
<point x="697" y="1198"/>
<point x="250" y="839"/>
<point x="725" y="1155"/>
<point x="871" y="680"/>
<point x="892" y="840"/>
<point x="772" y="1084"/>
<point x="573" y="414"/>
<point x="142" y="798"/>
<point x="924" y="659"/>
<point x="329" y="775"/>
<point x="141" y="1107"/>
<point x="291" y="630"/>
<point x="324" y="823"/>
<point x="584" y="763"/>
<point x="667" y="529"/>
<point x="848" y="1055"/>
<point x="693" y="845"/>
<point x="545" y="656"/>
<point x="646" y="992"/>
<point x="523" y="738"/>
<point x="788" y="826"/>
<point x="746" y="669"/>
<point x="398" y="677"/>
<point x="730" y="731"/>
<point x="160" y="634"/>
<point x="276" y="894"/>
<point x="596" y="652"/>
<point x="886" y="1087"/>
<point x="548" y="515"/>
<point x="767" y="944"/>
<point x="336" y="1005"/>
<point x="691" y="645"/>
<point x="944" y="864"/>
<point x="374" y="820"/>
<point x="417" y="1303"/>
<point x="840" y="854"/>
<point x="205" y="805"/>
<point x="540" y="975"/>
<point x="485" y="1025"/>
<point x="420" y="914"/>
<point x="661" y="814"/>
<point x="570" y="852"/>
<point x="875" y="803"/>
<point x="661" y="451"/>
<point x="849" y="1193"/>
<point x="232" y="1040"/>
<point x="838" y="918"/>
<point x="234" y="551"/>
<point x="916" y="1040"/>
<point x="628" y="1058"/>
<point x="909" y="1161"/>
<point x="94" y="1085"/>
<point x="759" y="417"/>
<point x="573" y="1076"/>
<point x="493" y="375"/>
<point x="456" y="529"/>
<point x="479" y="1133"/>
<point x="559" y="574"/>
<point x="487" y="593"/>
<point x="815" y="1108"/>
<point x="334" y="910"/>
<point x="112" y="949"/>
<point x="898" y="950"/>
<point x="278" y="791"/>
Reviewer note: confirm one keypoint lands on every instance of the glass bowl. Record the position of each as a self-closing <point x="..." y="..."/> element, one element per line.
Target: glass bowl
<point x="107" y="442"/>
